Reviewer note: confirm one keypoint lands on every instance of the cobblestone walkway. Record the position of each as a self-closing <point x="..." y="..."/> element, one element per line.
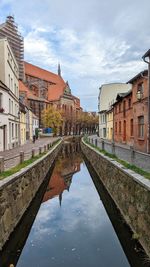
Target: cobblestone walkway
<point x="12" y="156"/>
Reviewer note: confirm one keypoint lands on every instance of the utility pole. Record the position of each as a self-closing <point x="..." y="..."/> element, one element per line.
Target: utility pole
<point x="146" y="58"/>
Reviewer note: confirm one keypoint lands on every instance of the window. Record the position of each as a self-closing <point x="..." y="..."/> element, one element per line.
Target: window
<point x="9" y="105"/>
<point x="115" y="127"/>
<point x="120" y="107"/>
<point x="16" y="130"/>
<point x="11" y="84"/>
<point x="9" y="80"/>
<point x="12" y="108"/>
<point x="104" y="132"/>
<point x="120" y="127"/>
<point x="140" y="87"/>
<point x="131" y="127"/>
<point x="124" y="108"/>
<point x="129" y="102"/>
<point x="1" y="95"/>
<point x="12" y="130"/>
<point x="141" y="127"/>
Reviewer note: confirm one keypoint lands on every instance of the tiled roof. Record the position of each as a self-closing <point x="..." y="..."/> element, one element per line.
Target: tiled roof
<point x="139" y="75"/>
<point x="57" y="84"/>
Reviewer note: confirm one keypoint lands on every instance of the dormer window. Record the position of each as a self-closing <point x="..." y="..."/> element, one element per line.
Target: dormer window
<point x="140" y="87"/>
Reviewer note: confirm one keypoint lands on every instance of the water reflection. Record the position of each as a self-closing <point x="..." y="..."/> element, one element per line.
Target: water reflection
<point x="62" y="175"/>
<point x="79" y="233"/>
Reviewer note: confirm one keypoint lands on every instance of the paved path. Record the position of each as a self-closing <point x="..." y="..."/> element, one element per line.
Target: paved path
<point x="11" y="157"/>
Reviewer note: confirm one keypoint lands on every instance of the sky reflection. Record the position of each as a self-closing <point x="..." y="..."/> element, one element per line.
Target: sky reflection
<point x="77" y="233"/>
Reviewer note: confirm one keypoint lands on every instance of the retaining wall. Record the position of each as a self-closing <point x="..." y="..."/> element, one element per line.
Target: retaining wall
<point x="130" y="192"/>
<point x="17" y="191"/>
<point x="137" y="158"/>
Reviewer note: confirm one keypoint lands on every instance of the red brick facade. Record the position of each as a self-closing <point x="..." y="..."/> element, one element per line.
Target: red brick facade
<point x="123" y="114"/>
<point x="131" y="114"/>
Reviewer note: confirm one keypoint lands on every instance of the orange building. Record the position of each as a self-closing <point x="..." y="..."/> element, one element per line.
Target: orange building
<point x="140" y="110"/>
<point x="46" y="88"/>
<point x="131" y="114"/>
<point x="123" y="116"/>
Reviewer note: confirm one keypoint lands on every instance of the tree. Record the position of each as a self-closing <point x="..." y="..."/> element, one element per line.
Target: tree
<point x="52" y="118"/>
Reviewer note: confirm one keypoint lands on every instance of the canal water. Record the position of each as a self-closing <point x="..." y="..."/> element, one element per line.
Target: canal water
<point x="72" y="222"/>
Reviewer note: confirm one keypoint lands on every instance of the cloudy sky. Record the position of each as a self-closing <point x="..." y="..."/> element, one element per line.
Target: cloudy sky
<point x="95" y="41"/>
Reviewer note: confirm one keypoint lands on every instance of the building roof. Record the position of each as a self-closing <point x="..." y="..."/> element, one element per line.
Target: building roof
<point x="56" y="85"/>
<point x="120" y="96"/>
<point x="139" y="75"/>
<point x="108" y="94"/>
<point x="147" y="54"/>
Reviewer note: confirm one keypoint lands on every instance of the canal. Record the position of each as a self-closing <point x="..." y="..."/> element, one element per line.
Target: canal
<point x="72" y="222"/>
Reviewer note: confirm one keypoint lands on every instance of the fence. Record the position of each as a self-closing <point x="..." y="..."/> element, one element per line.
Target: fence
<point x="139" y="159"/>
<point x="8" y="163"/>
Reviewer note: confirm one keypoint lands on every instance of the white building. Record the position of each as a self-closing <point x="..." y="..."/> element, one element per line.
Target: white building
<point x="35" y="123"/>
<point x="9" y="94"/>
<point x="107" y="96"/>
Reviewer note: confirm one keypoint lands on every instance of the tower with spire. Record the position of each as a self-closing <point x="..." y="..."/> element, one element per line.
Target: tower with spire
<point x="59" y="70"/>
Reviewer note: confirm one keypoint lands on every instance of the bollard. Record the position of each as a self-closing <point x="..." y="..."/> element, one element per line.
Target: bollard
<point x="40" y="150"/>
<point x="1" y="164"/>
<point x="95" y="142"/>
<point x="102" y="145"/>
<point x="21" y="156"/>
<point x="47" y="146"/>
<point x="33" y="152"/>
<point x="113" y="147"/>
<point x="44" y="148"/>
<point x="132" y="153"/>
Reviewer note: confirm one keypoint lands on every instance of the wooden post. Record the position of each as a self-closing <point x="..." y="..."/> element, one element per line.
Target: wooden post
<point x="132" y="153"/>
<point x="21" y="156"/>
<point x="40" y="150"/>
<point x="1" y="164"/>
<point x="113" y="147"/>
<point x="33" y="152"/>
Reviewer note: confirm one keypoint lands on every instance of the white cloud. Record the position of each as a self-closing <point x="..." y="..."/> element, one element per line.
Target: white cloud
<point x="95" y="41"/>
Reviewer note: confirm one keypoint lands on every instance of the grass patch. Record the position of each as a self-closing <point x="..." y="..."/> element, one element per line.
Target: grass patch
<point x="18" y="167"/>
<point x="124" y="163"/>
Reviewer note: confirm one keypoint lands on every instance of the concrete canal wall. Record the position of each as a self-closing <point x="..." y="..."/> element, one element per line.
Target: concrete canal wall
<point x="17" y="191"/>
<point x="130" y="192"/>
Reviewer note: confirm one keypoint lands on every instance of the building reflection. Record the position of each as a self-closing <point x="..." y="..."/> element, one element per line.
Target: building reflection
<point x="67" y="165"/>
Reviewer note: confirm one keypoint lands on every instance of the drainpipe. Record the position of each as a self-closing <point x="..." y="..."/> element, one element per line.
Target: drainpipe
<point x="147" y="55"/>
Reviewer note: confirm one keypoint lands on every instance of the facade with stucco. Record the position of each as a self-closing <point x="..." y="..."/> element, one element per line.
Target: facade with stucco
<point x="9" y="74"/>
<point x="107" y="96"/>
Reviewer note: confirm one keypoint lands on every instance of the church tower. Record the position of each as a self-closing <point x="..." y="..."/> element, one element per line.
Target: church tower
<point x="59" y="70"/>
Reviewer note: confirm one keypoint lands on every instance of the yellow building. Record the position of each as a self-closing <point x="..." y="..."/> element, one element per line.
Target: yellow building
<point x="109" y="124"/>
<point x="22" y="124"/>
<point x="30" y="124"/>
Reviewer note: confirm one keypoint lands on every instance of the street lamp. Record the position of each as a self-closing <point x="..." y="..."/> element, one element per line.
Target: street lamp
<point x="139" y="95"/>
<point x="146" y="58"/>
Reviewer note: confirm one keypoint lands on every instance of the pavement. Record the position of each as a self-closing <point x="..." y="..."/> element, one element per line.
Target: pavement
<point x="12" y="158"/>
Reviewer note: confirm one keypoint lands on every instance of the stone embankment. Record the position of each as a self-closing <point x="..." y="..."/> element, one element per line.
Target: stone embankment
<point x="130" y="192"/>
<point x="17" y="191"/>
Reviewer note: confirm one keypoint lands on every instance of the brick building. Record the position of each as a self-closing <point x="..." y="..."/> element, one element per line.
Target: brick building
<point x="43" y="88"/>
<point x="123" y="118"/>
<point x="131" y="114"/>
<point x="140" y="110"/>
